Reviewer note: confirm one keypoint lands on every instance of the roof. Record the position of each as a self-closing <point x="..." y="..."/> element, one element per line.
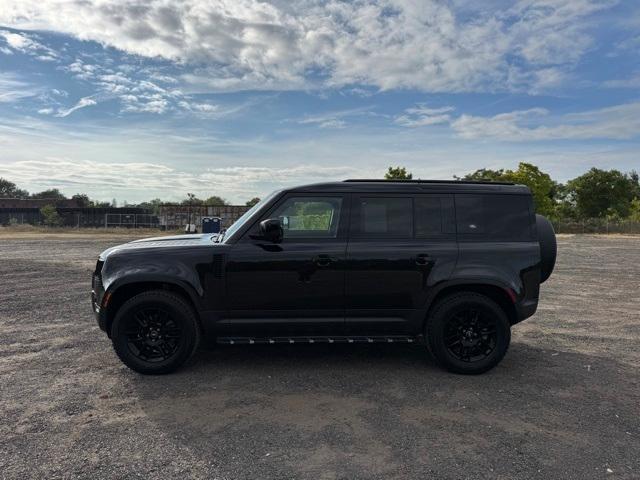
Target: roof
<point x="413" y="186"/>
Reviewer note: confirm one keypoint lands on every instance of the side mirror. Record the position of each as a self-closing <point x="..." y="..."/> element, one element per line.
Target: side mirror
<point x="271" y="230"/>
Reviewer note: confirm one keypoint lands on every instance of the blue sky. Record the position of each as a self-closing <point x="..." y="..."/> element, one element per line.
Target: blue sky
<point x="136" y="100"/>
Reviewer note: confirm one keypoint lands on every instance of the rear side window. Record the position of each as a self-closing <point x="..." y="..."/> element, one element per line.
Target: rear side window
<point x="494" y="217"/>
<point x="385" y="216"/>
<point x="433" y="215"/>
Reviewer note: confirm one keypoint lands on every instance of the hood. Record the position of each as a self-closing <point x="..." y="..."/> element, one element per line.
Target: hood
<point x="170" y="238"/>
<point x="163" y="242"/>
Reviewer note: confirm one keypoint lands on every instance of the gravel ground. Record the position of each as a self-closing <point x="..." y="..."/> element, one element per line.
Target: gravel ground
<point x="565" y="402"/>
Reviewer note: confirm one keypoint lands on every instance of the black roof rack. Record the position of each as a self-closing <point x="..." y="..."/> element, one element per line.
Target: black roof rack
<point x="472" y="182"/>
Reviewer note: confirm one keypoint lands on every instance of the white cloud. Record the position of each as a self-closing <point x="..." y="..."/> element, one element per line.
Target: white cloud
<point x="631" y="82"/>
<point x="617" y="122"/>
<point x="421" y="115"/>
<point x="133" y="87"/>
<point x="386" y="44"/>
<point x="25" y="44"/>
<point x="116" y="178"/>
<point x="12" y="89"/>
<point x="82" y="103"/>
<point x="333" y="119"/>
<point x="628" y="45"/>
<point x="145" y="104"/>
<point x="160" y="159"/>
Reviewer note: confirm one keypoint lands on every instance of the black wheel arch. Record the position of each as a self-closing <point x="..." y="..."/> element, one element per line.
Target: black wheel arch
<point x="497" y="292"/>
<point x="119" y="294"/>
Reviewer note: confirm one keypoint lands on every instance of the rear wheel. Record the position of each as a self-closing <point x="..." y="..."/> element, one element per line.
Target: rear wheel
<point x="155" y="332"/>
<point x="468" y="333"/>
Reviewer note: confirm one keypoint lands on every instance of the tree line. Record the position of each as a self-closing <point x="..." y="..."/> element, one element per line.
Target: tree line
<point x="597" y="194"/>
<point x="9" y="189"/>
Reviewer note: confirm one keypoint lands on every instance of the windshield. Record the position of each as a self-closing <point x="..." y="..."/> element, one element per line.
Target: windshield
<point x="247" y="216"/>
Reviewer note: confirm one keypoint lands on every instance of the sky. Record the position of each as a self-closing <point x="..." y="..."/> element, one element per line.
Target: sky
<point x="136" y="100"/>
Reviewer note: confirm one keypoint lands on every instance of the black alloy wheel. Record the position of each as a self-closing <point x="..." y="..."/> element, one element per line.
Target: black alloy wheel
<point x="155" y="332"/>
<point x="468" y="333"/>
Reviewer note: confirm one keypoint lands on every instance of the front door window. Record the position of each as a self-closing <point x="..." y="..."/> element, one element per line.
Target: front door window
<point x="309" y="217"/>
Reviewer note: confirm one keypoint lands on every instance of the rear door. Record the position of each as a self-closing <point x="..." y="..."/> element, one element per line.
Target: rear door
<point x="400" y="246"/>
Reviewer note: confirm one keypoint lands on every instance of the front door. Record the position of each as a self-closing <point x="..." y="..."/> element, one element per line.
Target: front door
<point x="400" y="246"/>
<point x="296" y="287"/>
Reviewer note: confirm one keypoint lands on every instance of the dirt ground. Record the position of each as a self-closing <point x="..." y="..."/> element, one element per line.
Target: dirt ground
<point x="565" y="402"/>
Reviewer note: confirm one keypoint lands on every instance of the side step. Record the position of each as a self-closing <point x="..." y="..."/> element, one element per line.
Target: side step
<point x="327" y="339"/>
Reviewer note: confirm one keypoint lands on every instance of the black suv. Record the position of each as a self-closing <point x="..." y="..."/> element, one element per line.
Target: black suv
<point x="452" y="264"/>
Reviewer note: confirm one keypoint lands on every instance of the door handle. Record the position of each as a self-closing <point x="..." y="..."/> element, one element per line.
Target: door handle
<point x="422" y="259"/>
<point x="323" y="260"/>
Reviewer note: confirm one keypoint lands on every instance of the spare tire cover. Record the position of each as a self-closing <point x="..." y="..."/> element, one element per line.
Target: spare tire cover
<point x="548" y="246"/>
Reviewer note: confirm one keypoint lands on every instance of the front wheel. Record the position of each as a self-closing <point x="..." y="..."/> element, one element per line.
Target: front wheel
<point x="468" y="333"/>
<point x="155" y="332"/>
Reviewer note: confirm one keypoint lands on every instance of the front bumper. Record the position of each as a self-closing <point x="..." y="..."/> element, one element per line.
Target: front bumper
<point x="97" y="297"/>
<point x="98" y="313"/>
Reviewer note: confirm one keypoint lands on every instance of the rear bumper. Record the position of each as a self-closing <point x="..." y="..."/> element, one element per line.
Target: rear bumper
<point x="525" y="309"/>
<point x="527" y="303"/>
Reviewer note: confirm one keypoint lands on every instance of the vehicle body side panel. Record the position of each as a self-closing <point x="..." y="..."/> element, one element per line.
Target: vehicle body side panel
<point x="386" y="290"/>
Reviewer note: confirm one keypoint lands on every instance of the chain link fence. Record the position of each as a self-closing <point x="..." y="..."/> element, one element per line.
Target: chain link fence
<point x="130" y="220"/>
<point x="596" y="225"/>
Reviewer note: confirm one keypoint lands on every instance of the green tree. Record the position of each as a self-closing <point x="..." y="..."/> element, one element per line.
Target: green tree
<point x="252" y="202"/>
<point x="82" y="200"/>
<point x="540" y="184"/>
<point x="191" y="200"/>
<point x="215" y="200"/>
<point x="10" y="190"/>
<point x="50" y="216"/>
<point x="398" y="173"/>
<point x="602" y="193"/>
<point x="51" y="194"/>
<point x="634" y="210"/>
<point x="153" y="205"/>
<point x="484" y="174"/>
<point x="565" y="202"/>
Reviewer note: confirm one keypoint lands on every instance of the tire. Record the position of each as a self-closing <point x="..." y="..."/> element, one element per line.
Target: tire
<point x="462" y="345"/>
<point x="155" y="332"/>
<point x="548" y="247"/>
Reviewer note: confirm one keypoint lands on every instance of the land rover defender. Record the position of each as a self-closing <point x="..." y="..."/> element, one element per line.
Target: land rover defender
<point x="449" y="264"/>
